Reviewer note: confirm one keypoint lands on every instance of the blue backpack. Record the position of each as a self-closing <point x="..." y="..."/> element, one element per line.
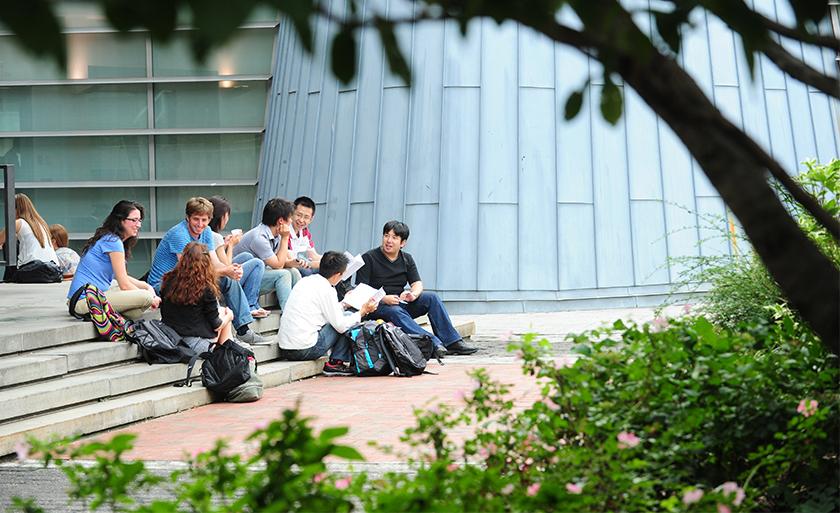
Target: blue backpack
<point x="368" y="351"/>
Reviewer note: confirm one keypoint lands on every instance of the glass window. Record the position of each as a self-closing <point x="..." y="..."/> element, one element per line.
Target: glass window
<point x="171" y="202"/>
<point x="82" y="210"/>
<point x="213" y="156"/>
<point x="88" y="56"/>
<point x="81" y="15"/>
<point x="247" y="53"/>
<point x="73" y="107"/>
<point x="56" y="159"/>
<point x="222" y="104"/>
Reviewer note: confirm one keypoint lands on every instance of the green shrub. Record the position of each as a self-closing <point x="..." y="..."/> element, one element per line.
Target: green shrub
<point x="742" y="291"/>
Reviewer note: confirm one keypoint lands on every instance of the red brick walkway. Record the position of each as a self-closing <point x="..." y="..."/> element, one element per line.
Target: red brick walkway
<point x="373" y="408"/>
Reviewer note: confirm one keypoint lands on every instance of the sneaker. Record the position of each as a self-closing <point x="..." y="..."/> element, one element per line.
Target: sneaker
<point x="337" y="368"/>
<point x="253" y="339"/>
<point x="460" y="348"/>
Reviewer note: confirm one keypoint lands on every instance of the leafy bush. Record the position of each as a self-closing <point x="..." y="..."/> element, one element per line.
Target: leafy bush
<point x="670" y="416"/>
<point x="742" y="291"/>
<point x="651" y="418"/>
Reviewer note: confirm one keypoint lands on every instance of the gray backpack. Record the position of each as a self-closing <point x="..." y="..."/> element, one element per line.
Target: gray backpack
<point x="248" y="392"/>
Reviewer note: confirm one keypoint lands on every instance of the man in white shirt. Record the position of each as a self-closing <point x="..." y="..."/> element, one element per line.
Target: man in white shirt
<point x="313" y="319"/>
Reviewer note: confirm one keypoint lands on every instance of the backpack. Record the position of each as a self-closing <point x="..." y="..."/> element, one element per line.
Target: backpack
<point x="251" y="390"/>
<point x="108" y="322"/>
<point x="158" y="343"/>
<point x="225" y="368"/>
<point x="367" y="350"/>
<point x="402" y="352"/>
<point x="37" y="271"/>
<point x="426" y="346"/>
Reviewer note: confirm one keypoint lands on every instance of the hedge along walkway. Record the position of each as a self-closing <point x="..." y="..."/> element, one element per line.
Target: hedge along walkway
<point x="375" y="409"/>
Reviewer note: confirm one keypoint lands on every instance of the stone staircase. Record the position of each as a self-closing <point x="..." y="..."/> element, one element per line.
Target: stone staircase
<point x="57" y="380"/>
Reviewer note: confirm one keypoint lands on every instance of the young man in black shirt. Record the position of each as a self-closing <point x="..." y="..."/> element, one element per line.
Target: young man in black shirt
<point x="391" y="268"/>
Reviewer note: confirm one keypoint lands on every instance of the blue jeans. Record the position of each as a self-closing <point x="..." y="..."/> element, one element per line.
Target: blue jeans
<point x="427" y="304"/>
<point x="252" y="273"/>
<point x="280" y="281"/>
<point x="328" y="339"/>
<point x="236" y="301"/>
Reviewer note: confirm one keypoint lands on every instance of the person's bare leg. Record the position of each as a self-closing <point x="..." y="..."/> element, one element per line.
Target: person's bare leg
<point x="225" y="333"/>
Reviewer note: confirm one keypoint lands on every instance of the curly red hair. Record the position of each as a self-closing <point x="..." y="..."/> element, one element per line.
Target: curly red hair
<point x="192" y="275"/>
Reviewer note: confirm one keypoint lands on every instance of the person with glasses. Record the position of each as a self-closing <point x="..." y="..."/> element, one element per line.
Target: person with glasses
<point x="103" y="260"/>
<point x="301" y="243"/>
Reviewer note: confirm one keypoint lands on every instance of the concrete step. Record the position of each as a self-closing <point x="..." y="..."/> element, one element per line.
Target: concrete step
<point x="81" y="387"/>
<point x="134" y="407"/>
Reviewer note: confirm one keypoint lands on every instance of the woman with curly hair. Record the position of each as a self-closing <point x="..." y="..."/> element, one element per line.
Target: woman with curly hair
<point x="190" y="300"/>
<point x="103" y="260"/>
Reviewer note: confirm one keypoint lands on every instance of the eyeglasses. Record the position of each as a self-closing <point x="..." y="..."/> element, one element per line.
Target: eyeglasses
<point x="135" y="220"/>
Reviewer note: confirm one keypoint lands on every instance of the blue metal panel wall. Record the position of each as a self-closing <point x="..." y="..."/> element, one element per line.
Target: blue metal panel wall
<point x="507" y="202"/>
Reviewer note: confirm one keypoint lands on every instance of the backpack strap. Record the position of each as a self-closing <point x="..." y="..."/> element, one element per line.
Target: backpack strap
<point x="188" y="381"/>
<point x="75" y="299"/>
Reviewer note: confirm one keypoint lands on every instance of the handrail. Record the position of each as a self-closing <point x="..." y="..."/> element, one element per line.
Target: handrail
<point x="9" y="215"/>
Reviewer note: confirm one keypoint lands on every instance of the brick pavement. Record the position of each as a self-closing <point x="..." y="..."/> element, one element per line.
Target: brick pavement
<point x="375" y="409"/>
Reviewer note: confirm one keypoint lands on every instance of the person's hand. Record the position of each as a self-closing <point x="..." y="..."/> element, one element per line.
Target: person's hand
<point x="285" y="230"/>
<point x="368" y="307"/>
<point x="391" y="299"/>
<point x="155" y="302"/>
<point x="233" y="239"/>
<point x="407" y="296"/>
<point x="301" y="263"/>
<point x="233" y="271"/>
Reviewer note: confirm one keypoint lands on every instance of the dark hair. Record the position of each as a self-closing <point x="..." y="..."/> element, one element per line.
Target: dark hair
<point x="221" y="206"/>
<point x="307" y="202"/>
<point x="113" y="225"/>
<point x="399" y="228"/>
<point x="276" y="208"/>
<point x="332" y="262"/>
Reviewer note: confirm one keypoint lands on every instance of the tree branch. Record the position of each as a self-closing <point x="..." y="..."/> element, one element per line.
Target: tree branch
<point x="803" y="37"/>
<point x="799" y="70"/>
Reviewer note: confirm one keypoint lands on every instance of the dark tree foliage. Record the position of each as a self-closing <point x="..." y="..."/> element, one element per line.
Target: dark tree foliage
<point x="735" y="164"/>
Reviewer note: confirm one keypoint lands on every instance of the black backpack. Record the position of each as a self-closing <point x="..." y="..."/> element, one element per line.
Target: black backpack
<point x="367" y="350"/>
<point x="158" y="343"/>
<point x="403" y="355"/>
<point x="226" y="367"/>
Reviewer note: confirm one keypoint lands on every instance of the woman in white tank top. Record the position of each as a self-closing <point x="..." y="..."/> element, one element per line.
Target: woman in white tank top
<point x="33" y="233"/>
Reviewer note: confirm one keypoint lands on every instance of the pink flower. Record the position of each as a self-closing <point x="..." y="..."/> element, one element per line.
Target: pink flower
<point x="730" y="487"/>
<point x="260" y="425"/>
<point x="686" y="309"/>
<point x="508" y="335"/>
<point x="452" y="467"/>
<point x="692" y="496"/>
<point x="533" y="489"/>
<point x="343" y="483"/>
<point x="807" y="407"/>
<point x="574" y="488"/>
<point x="723" y="508"/>
<point x="627" y="440"/>
<point x="22" y="450"/>
<point x="551" y="405"/>
<point x="317" y="478"/>
<point x="659" y="324"/>
<point x="507" y="489"/>
<point x="460" y="395"/>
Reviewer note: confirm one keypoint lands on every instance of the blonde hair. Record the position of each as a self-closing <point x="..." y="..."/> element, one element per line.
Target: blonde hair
<point x="199" y="206"/>
<point x="24" y="209"/>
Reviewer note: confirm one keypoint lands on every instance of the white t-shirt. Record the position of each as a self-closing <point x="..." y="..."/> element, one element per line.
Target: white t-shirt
<point x="312" y="304"/>
<point x="31" y="249"/>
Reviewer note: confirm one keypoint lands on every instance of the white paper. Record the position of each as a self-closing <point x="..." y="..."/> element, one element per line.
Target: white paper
<point x="362" y="294"/>
<point x="355" y="264"/>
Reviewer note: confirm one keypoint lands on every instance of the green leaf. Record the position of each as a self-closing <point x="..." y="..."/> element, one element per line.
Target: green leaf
<point x="34" y="22"/>
<point x="346" y="452"/>
<point x="330" y="433"/>
<point x="393" y="52"/>
<point x="583" y="349"/>
<point x="809" y="10"/>
<point x="573" y="104"/>
<point x="299" y="12"/>
<point x="344" y="56"/>
<point x="611" y="102"/>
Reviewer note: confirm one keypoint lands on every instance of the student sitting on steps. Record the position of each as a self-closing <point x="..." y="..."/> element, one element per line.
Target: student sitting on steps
<point x="314" y="319"/>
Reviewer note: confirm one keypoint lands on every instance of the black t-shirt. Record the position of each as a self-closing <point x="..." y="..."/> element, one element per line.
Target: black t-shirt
<point x="378" y="271"/>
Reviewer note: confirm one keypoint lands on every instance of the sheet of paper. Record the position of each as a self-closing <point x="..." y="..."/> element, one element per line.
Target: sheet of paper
<point x="362" y="294"/>
<point x="356" y="263"/>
